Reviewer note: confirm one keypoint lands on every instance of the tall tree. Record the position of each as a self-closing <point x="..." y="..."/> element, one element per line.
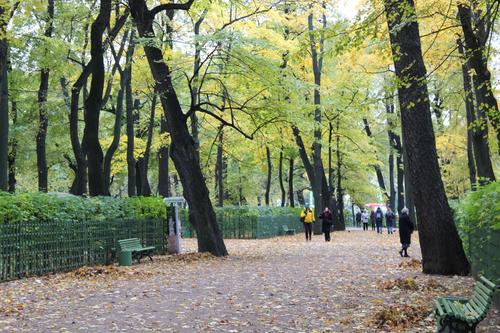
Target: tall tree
<point x="93" y="103"/>
<point x="477" y="131"/>
<point x="163" y="151"/>
<point x="442" y="250"/>
<point x="476" y="40"/>
<point x="317" y="54"/>
<point x="43" y="121"/>
<point x="13" y="151"/>
<point x="269" y="173"/>
<point x="130" y="108"/>
<point x="183" y="150"/>
<point x="4" y="96"/>
<point x="280" y="178"/>
<point x="378" y="170"/>
<point x="291" y="198"/>
<point x="220" y="169"/>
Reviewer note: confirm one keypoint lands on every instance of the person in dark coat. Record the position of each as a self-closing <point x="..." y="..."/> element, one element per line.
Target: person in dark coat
<point x="327" y="221"/>
<point x="379" y="217"/>
<point x="372" y="219"/>
<point x="358" y="219"/>
<point x="406" y="228"/>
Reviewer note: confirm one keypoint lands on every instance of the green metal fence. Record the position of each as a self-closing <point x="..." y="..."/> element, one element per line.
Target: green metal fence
<point x="241" y="225"/>
<point x="36" y="248"/>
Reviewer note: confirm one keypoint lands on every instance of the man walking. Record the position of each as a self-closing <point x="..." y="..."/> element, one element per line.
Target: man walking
<point x="379" y="216"/>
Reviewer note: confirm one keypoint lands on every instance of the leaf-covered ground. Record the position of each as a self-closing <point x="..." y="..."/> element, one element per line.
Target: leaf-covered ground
<point x="356" y="283"/>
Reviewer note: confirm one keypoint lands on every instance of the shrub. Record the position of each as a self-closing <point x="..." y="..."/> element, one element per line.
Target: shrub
<point x="66" y="207"/>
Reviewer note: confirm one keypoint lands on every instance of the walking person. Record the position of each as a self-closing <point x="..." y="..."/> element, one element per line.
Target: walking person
<point x="307" y="218"/>
<point x="379" y="217"/>
<point x="389" y="220"/>
<point x="372" y="219"/>
<point x="358" y="219"/>
<point x="364" y="219"/>
<point x="326" y="223"/>
<point x="406" y="228"/>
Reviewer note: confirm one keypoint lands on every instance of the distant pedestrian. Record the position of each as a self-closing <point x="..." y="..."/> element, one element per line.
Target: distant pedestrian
<point x="389" y="220"/>
<point x="372" y="219"/>
<point x="307" y="218"/>
<point x="326" y="223"/>
<point x="364" y="218"/>
<point x="406" y="228"/>
<point x="379" y="217"/>
<point x="358" y="219"/>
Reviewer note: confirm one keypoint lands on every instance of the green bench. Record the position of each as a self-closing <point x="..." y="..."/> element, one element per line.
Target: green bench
<point x="458" y="314"/>
<point x="287" y="231"/>
<point x="134" y="246"/>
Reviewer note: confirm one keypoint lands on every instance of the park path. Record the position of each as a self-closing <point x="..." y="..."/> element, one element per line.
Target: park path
<point x="356" y="283"/>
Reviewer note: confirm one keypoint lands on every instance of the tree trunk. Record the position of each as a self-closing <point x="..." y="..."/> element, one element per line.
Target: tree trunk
<point x="130" y="110"/>
<point x="331" y="184"/>
<point x="4" y="101"/>
<point x="195" y="95"/>
<point x="378" y="171"/>
<point x="280" y="177"/>
<point x="396" y="145"/>
<point x="340" y="189"/>
<point x="392" y="190"/>
<point x="43" y="122"/>
<point x="108" y="158"/>
<point x="476" y="132"/>
<point x="300" y="198"/>
<point x="163" y="163"/>
<point x="401" y="176"/>
<point x="93" y="103"/>
<point x="146" y="188"/>
<point x="291" y="199"/>
<point x="269" y="171"/>
<point x="13" y="151"/>
<point x="442" y="250"/>
<point x="219" y="169"/>
<point x="80" y="183"/>
<point x="475" y="46"/>
<point x="319" y="171"/>
<point x="183" y="151"/>
<point x="163" y="152"/>
<point x="322" y="192"/>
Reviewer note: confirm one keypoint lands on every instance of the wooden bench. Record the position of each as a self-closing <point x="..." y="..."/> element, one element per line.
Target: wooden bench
<point x="287" y="231"/>
<point x="135" y="247"/>
<point x="457" y="314"/>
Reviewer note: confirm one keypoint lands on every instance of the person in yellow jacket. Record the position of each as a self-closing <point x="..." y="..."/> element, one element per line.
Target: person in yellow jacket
<point x="307" y="217"/>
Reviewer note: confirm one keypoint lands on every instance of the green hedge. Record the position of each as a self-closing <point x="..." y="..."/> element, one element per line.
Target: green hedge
<point x="478" y="221"/>
<point x="65" y="207"/>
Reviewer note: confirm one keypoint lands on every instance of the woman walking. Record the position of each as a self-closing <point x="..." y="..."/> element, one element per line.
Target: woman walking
<point x="327" y="221"/>
<point x="406" y="228"/>
<point x="307" y="217"/>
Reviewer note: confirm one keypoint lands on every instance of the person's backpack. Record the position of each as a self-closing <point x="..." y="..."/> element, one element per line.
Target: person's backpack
<point x="378" y="215"/>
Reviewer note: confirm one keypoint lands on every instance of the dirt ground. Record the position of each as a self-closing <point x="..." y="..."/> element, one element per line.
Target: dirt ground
<point x="356" y="283"/>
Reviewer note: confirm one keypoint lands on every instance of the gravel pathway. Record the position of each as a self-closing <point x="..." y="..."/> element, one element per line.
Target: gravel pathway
<point x="356" y="283"/>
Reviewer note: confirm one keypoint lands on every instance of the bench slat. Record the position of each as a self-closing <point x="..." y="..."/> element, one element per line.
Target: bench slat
<point x="481" y="294"/>
<point x="478" y="307"/>
<point x="440" y="310"/>
<point x="485" y="289"/>
<point x="488" y="283"/>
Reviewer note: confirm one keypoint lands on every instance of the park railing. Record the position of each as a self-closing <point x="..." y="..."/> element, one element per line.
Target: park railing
<point x="249" y="223"/>
<point x="36" y="248"/>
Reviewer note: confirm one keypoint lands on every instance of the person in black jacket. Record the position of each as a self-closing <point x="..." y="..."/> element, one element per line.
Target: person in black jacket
<point x="406" y="228"/>
<point x="358" y="219"/>
<point x="327" y="221"/>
